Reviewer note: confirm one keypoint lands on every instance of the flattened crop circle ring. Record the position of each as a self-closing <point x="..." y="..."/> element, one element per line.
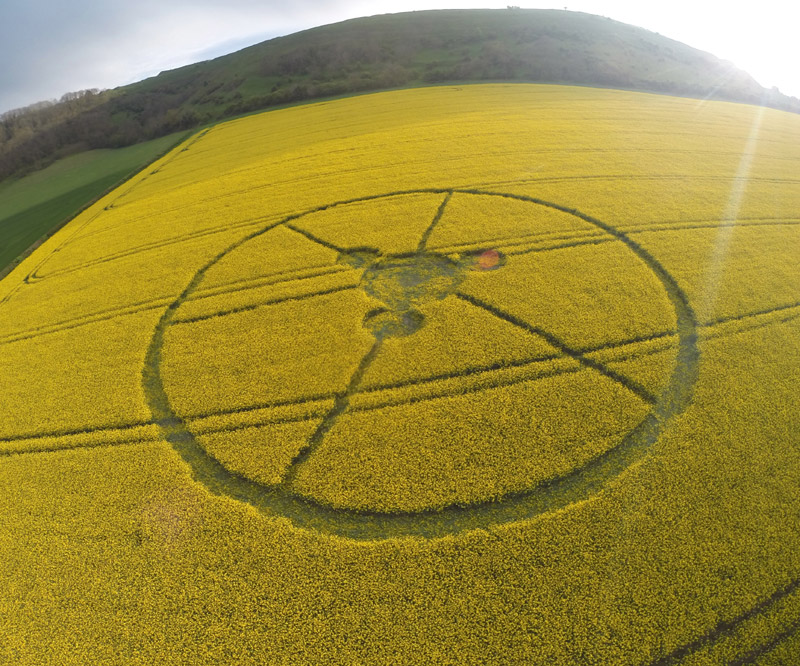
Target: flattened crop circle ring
<point x="578" y="484"/>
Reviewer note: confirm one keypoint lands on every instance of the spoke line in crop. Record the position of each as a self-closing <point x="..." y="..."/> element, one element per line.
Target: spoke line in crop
<point x="340" y="404"/>
<point x="315" y="239"/>
<point x="634" y="387"/>
<point x="427" y="233"/>
<point x="682" y="337"/>
<point x="726" y="627"/>
<point x="741" y="317"/>
<point x="523" y="198"/>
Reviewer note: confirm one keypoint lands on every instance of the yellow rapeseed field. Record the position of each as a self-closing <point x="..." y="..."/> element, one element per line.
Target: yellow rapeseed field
<point x="458" y="375"/>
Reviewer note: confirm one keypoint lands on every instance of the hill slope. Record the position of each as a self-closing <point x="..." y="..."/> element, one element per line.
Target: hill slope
<point x="379" y="52"/>
<point x="446" y="46"/>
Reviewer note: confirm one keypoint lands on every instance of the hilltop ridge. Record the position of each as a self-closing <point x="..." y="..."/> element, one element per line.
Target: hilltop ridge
<point x="375" y="53"/>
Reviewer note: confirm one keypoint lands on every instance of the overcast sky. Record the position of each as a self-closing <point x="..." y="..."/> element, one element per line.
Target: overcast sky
<point x="50" y="47"/>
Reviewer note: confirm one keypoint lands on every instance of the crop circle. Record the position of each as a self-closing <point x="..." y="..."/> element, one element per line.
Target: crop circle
<point x="403" y="284"/>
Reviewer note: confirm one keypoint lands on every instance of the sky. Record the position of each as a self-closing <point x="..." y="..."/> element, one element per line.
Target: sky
<point x="50" y="47"/>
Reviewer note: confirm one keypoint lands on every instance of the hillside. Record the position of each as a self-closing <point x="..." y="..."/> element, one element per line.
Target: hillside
<point x="378" y="52"/>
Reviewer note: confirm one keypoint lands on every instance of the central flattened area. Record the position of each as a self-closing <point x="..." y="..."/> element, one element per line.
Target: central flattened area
<point x="405" y="283"/>
<point x="409" y="353"/>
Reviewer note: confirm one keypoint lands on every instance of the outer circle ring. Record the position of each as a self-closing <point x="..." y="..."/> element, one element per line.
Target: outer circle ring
<point x="578" y="484"/>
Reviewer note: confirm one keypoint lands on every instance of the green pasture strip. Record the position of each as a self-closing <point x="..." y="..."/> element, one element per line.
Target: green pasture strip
<point x="37" y="205"/>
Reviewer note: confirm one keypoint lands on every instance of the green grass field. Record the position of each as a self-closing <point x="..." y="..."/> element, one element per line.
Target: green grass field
<point x="34" y="206"/>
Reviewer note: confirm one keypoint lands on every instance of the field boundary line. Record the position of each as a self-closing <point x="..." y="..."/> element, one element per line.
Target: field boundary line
<point x="29" y="251"/>
<point x="315" y="239"/>
<point x="92" y="218"/>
